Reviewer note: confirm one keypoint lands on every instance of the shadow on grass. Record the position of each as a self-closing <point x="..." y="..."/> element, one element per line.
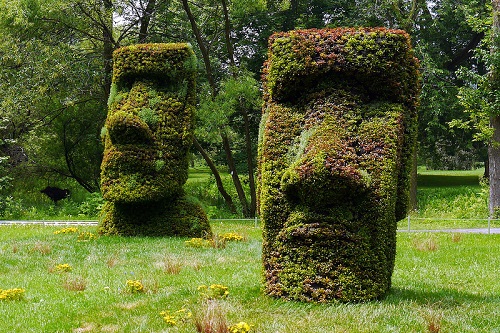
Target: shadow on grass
<point x="446" y="180"/>
<point x="446" y="298"/>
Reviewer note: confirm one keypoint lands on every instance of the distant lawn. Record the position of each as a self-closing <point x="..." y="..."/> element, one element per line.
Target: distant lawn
<point x="199" y="174"/>
<point x="441" y="283"/>
<point x="450" y="199"/>
<point x="440" y="178"/>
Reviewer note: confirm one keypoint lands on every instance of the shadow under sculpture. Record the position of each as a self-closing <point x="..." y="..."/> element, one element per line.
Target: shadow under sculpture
<point x="337" y="136"/>
<point x="147" y="135"/>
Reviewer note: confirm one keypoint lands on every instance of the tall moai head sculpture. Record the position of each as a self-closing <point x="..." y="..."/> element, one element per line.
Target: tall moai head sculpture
<point x="147" y="135"/>
<point x="337" y="136"/>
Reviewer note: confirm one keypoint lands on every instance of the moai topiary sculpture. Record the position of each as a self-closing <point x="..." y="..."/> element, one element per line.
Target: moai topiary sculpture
<point x="147" y="135"/>
<point x="337" y="136"/>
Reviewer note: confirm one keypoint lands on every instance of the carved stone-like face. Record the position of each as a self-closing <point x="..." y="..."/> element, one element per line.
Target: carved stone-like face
<point x="345" y="160"/>
<point x="148" y="128"/>
<point x="336" y="140"/>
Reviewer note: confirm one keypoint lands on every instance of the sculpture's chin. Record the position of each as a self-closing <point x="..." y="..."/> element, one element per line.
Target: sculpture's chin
<point x="128" y="190"/>
<point x="133" y="174"/>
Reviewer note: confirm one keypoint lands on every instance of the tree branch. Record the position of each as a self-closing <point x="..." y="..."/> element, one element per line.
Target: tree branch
<point x="466" y="52"/>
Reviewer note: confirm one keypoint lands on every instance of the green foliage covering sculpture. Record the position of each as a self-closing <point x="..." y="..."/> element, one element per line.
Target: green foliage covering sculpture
<point x="147" y="135"/>
<point x="337" y="136"/>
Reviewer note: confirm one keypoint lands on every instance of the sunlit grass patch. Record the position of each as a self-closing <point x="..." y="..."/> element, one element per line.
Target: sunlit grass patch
<point x="170" y="265"/>
<point x="431" y="290"/>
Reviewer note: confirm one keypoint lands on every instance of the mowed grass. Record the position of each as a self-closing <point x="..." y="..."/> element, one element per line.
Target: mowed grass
<point x="450" y="199"/>
<point x="441" y="283"/>
<point x="199" y="174"/>
<point x="449" y="178"/>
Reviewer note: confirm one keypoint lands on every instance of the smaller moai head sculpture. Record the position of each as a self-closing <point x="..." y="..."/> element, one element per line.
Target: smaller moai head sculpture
<point x="337" y="136"/>
<point x="147" y="134"/>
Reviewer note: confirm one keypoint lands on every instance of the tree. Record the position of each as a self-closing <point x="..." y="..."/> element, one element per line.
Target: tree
<point x="56" y="74"/>
<point x="56" y="68"/>
<point x="222" y="102"/>
<point x="442" y="51"/>
<point x="232" y="115"/>
<point x="494" y="101"/>
<point x="4" y="177"/>
<point x="44" y="78"/>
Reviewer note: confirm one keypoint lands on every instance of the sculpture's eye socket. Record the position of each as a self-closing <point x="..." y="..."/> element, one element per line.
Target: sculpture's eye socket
<point x="167" y="83"/>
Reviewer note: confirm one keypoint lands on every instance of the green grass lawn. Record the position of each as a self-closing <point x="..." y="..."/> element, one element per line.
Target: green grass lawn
<point x="441" y="283"/>
<point x="199" y="174"/>
<point x="450" y="199"/>
<point x="448" y="178"/>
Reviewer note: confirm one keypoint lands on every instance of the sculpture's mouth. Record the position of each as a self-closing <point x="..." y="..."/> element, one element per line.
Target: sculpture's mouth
<point x="130" y="174"/>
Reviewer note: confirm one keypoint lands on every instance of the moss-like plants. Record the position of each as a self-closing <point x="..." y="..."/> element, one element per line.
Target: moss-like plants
<point x="337" y="136"/>
<point x="147" y="135"/>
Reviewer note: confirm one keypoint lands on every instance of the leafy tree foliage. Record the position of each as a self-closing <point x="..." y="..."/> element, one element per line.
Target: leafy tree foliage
<point x="55" y="71"/>
<point x="481" y="98"/>
<point x="50" y="92"/>
<point x="442" y="51"/>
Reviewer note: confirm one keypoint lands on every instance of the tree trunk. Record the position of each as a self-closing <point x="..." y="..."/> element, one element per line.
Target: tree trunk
<point x="251" y="178"/>
<point x="494" y="166"/>
<point x="227" y="34"/>
<point x="494" y="147"/>
<point x="218" y="180"/>
<point x="145" y="19"/>
<point x="108" y="49"/>
<point x="211" y="80"/>
<point x="234" y="175"/>
<point x="201" y="45"/>
<point x="413" y="183"/>
<point x="248" y="143"/>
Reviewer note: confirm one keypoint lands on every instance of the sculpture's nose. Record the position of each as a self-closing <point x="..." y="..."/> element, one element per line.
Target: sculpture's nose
<point x="325" y="182"/>
<point x="126" y="128"/>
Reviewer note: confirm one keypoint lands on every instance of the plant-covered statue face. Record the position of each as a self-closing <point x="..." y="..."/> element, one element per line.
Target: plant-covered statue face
<point x="148" y="126"/>
<point x="338" y="133"/>
<point x="147" y="136"/>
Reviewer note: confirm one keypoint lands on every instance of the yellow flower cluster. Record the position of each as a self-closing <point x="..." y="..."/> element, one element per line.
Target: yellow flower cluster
<point x="176" y="317"/>
<point x="63" y="268"/>
<point x="198" y="242"/>
<point x="86" y="236"/>
<point x="231" y="236"/>
<point x="11" y="294"/>
<point x="134" y="286"/>
<point x="241" y="327"/>
<point x="214" y="291"/>
<point x="68" y="230"/>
